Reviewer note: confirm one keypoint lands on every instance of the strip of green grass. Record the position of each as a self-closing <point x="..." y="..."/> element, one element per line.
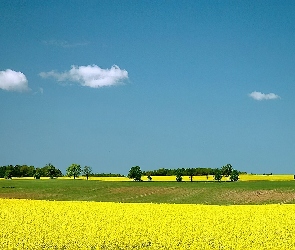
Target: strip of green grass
<point x="224" y="193"/>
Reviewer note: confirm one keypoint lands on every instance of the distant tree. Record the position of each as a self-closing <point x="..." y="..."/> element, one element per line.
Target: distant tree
<point x="31" y="171"/>
<point x="8" y="174"/>
<point x="87" y="171"/>
<point x="2" y="171"/>
<point x="179" y="174"/>
<point x="226" y="170"/>
<point x="51" y="171"/>
<point x="148" y="174"/>
<point x="163" y="171"/>
<point x="24" y="171"/>
<point x="74" y="170"/>
<point x="38" y="173"/>
<point x="234" y="175"/>
<point x="107" y="175"/>
<point x="217" y="175"/>
<point x="135" y="173"/>
<point x="169" y="172"/>
<point x="191" y="172"/>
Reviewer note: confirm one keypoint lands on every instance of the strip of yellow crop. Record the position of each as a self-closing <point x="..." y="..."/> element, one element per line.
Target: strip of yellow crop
<point x="29" y="224"/>
<point x="276" y="177"/>
<point x="245" y="177"/>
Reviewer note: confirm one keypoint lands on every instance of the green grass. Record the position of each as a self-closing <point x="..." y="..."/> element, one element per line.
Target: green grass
<point x="224" y="193"/>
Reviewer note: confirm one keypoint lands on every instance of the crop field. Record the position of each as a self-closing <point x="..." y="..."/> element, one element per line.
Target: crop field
<point x="102" y="214"/>
<point x="31" y="224"/>
<point x="210" y="178"/>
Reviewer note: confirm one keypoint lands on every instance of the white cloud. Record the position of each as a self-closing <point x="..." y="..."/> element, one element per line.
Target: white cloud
<point x="11" y="80"/>
<point x="261" y="96"/>
<point x="91" y="76"/>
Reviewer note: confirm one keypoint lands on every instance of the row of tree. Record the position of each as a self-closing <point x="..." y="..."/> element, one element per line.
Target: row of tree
<point x="106" y="175"/>
<point x="48" y="170"/>
<point x="10" y="171"/>
<point x="172" y="172"/>
<point x="74" y="170"/>
<point x="227" y="171"/>
<point x="186" y="171"/>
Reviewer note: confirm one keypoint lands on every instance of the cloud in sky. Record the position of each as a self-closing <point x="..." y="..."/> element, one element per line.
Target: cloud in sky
<point x="11" y="80"/>
<point x="261" y="96"/>
<point x="91" y="76"/>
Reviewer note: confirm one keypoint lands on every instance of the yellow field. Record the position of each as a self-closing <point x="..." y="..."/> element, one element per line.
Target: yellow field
<point x="245" y="177"/>
<point x="29" y="224"/>
<point x="275" y="177"/>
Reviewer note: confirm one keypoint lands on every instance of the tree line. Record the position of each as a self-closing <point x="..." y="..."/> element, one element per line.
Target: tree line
<point x="10" y="171"/>
<point x="49" y="170"/>
<point x="75" y="170"/>
<point x="188" y="171"/>
<point x="218" y="173"/>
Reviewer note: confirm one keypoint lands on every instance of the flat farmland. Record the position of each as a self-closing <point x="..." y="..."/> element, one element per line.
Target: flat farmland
<point x="60" y="214"/>
<point x="207" y="192"/>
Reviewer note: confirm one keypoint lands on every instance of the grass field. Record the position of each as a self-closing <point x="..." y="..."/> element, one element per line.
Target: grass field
<point x="207" y="192"/>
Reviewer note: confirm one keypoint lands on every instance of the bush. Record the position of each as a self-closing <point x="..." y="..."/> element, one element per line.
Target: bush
<point x="8" y="174"/>
<point x="37" y="175"/>
<point x="234" y="175"/>
<point x="178" y="175"/>
<point x="218" y="175"/>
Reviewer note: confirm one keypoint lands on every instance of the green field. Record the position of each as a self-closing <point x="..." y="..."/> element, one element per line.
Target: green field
<point x="224" y="193"/>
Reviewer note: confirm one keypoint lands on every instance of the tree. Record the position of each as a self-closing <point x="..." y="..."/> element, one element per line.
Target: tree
<point x="234" y="175"/>
<point x="8" y="174"/>
<point x="179" y="175"/>
<point x="191" y="173"/>
<point x="149" y="175"/>
<point x="38" y="174"/>
<point x="217" y="175"/>
<point x="74" y="170"/>
<point x="24" y="171"/>
<point x="226" y="170"/>
<point x="87" y="171"/>
<point x="16" y="171"/>
<point x="135" y="173"/>
<point x="162" y="172"/>
<point x="51" y="171"/>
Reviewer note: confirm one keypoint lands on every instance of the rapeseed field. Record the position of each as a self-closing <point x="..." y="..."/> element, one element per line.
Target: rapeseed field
<point x="32" y="224"/>
<point x="243" y="177"/>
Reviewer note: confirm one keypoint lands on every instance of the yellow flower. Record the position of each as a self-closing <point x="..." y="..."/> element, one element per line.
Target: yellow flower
<point x="30" y="224"/>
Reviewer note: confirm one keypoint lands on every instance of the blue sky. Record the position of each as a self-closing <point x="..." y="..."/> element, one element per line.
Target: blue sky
<point x="159" y="84"/>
